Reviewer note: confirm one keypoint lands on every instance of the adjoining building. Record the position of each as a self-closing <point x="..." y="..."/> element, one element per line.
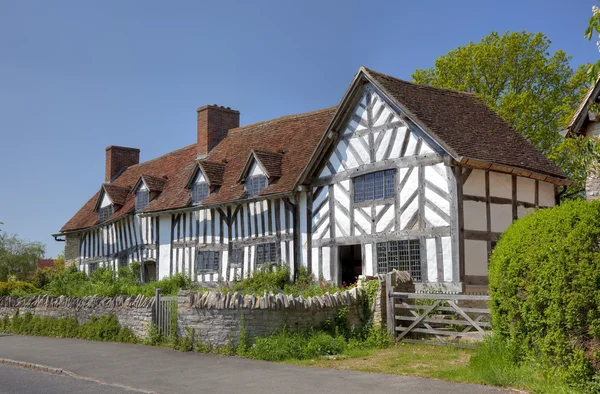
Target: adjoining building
<point x="397" y="176"/>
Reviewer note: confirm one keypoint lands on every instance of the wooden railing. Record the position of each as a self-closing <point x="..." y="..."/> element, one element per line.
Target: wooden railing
<point x="437" y="319"/>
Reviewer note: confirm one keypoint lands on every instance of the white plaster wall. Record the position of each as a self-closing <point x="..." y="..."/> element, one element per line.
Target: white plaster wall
<point x="525" y="189"/>
<point x="360" y="219"/>
<point x="106" y="201"/>
<point x="475" y="184"/>
<point x="476" y="258"/>
<point x="200" y="177"/>
<point x="397" y="148"/>
<point x="368" y="260"/>
<point x="546" y="197"/>
<point x="475" y="217"/>
<point x="315" y="262"/>
<point x="501" y="217"/>
<point x="522" y="211"/>
<point x="164" y="249"/>
<point x="500" y="185"/>
<point x="327" y="269"/>
<point x="447" y="256"/>
<point x="303" y="232"/>
<point x="431" y="260"/>
<point x="387" y="217"/>
<point x="407" y="191"/>
<point x="256" y="170"/>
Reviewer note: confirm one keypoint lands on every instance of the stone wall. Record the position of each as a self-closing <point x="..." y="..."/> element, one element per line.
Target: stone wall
<point x="592" y="185"/>
<point x="133" y="312"/>
<point x="216" y="318"/>
<point x="72" y="243"/>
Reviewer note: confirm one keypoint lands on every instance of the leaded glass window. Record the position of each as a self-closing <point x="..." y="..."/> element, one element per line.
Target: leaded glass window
<point x="208" y="261"/>
<point x="105" y="212"/>
<point x="92" y="267"/>
<point x="403" y="255"/>
<point x="142" y="198"/>
<point x="199" y="192"/>
<point x="374" y="186"/>
<point x="255" y="184"/>
<point x="237" y="257"/>
<point x="266" y="253"/>
<point x="122" y="260"/>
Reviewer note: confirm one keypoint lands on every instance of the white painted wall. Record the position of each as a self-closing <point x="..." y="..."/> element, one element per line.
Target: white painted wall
<point x="164" y="251"/>
<point x="475" y="184"/>
<point x="546" y="197"/>
<point x="106" y="201"/>
<point x="476" y="258"/>
<point x="256" y="170"/>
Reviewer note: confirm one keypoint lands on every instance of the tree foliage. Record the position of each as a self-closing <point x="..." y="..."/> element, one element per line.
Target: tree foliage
<point x="18" y="257"/>
<point x="534" y="91"/>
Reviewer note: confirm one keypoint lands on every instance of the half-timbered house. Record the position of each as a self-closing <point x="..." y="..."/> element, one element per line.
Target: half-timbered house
<point x="397" y="176"/>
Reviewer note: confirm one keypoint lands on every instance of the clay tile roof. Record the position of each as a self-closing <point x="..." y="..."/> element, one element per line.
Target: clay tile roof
<point x="153" y="183"/>
<point x="117" y="194"/>
<point x="297" y="135"/>
<point x="213" y="172"/>
<point x="271" y="162"/>
<point x="466" y="125"/>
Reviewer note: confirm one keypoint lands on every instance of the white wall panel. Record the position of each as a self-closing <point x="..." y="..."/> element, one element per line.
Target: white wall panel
<point x="431" y="260"/>
<point x="546" y="197"/>
<point x="500" y="185"/>
<point x="475" y="184"/>
<point x="447" y="256"/>
<point x="476" y="257"/>
<point x="501" y="217"/>
<point x="475" y="216"/>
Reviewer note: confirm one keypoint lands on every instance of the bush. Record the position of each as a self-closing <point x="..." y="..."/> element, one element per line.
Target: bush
<point x="545" y="288"/>
<point x="17" y="288"/>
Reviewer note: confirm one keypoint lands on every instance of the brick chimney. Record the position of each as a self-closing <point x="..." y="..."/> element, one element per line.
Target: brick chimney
<point x="118" y="157"/>
<point x="213" y="123"/>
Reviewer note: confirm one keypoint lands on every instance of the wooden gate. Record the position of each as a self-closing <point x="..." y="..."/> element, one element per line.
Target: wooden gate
<point x="437" y="319"/>
<point x="166" y="314"/>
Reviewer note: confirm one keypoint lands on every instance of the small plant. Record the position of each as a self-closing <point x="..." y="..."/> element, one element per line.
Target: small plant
<point x="244" y="340"/>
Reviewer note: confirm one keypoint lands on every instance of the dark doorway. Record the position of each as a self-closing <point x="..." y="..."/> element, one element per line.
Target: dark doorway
<point x="149" y="271"/>
<point x="350" y="262"/>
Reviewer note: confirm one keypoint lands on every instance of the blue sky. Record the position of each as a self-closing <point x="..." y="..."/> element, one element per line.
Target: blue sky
<point x="78" y="76"/>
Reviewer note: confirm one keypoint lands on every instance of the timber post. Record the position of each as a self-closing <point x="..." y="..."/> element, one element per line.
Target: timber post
<point x="390" y="305"/>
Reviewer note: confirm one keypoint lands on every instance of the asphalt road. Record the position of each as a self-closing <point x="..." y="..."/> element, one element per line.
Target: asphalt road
<point x="15" y="380"/>
<point x="168" y="371"/>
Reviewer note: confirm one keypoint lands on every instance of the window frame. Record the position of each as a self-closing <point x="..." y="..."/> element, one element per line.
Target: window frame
<point x="248" y="184"/>
<point x="378" y="187"/>
<point x="102" y="216"/>
<point x="270" y="248"/>
<point x="236" y="257"/>
<point x="211" y="255"/>
<point x="194" y="193"/>
<point x="401" y="254"/>
<point x="138" y="194"/>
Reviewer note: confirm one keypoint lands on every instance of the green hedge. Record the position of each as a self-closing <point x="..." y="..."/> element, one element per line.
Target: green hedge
<point x="545" y="288"/>
<point x="17" y="288"/>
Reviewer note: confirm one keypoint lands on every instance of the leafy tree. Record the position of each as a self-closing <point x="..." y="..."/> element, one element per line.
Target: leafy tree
<point x="18" y="257"/>
<point x="534" y="91"/>
<point x="594" y="26"/>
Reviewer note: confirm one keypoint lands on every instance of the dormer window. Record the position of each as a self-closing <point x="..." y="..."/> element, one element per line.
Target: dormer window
<point x="255" y="184"/>
<point x="142" y="198"/>
<point x="105" y="212"/>
<point x="200" y="191"/>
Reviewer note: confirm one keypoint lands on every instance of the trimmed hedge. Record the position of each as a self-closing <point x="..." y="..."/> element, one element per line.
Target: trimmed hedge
<point x="545" y="288"/>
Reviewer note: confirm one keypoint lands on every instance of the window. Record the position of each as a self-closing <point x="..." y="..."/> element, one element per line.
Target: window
<point x="122" y="260"/>
<point x="208" y="260"/>
<point x="237" y="257"/>
<point x="255" y="184"/>
<point x="142" y="198"/>
<point x="402" y="255"/>
<point x="266" y="253"/>
<point x="105" y="212"/>
<point x="374" y="186"/>
<point x="92" y="267"/>
<point x="199" y="192"/>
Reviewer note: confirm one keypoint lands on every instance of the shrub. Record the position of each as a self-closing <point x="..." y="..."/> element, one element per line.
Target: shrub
<point x="17" y="288"/>
<point x="545" y="288"/>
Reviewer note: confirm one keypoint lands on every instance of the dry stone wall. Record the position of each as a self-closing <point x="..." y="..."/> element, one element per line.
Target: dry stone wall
<point x="134" y="312"/>
<point x="216" y="318"/>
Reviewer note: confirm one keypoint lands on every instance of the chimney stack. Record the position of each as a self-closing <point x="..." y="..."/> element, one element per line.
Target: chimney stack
<point x="118" y="157"/>
<point x="213" y="124"/>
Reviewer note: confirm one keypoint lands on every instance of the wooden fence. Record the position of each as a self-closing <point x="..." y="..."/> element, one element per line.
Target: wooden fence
<point x="437" y="319"/>
<point x="166" y="314"/>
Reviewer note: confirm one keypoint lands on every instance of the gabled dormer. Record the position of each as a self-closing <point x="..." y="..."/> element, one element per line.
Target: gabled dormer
<point x="206" y="178"/>
<point x="110" y="199"/>
<point x="261" y="169"/>
<point x="147" y="189"/>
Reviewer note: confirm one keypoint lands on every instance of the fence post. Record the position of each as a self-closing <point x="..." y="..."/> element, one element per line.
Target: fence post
<point x="390" y="305"/>
<point x="157" y="308"/>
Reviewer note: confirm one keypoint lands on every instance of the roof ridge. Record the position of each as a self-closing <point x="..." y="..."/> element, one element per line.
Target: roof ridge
<point x="282" y="118"/>
<point x="420" y="85"/>
<point x="173" y="152"/>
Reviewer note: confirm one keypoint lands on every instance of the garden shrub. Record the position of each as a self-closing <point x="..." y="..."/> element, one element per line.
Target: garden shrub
<point x="545" y="287"/>
<point x="17" y="288"/>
